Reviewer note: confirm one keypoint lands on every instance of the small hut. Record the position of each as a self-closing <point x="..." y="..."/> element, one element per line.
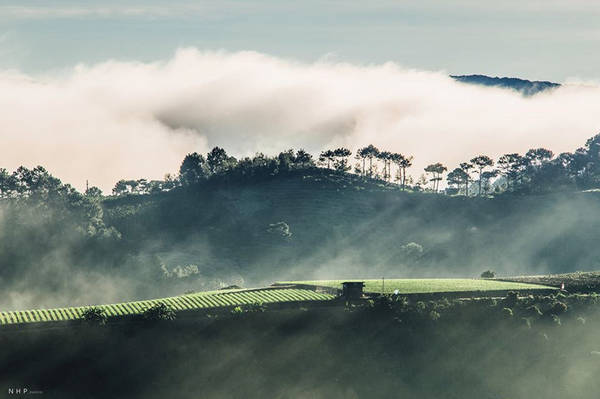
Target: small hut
<point x="352" y="289"/>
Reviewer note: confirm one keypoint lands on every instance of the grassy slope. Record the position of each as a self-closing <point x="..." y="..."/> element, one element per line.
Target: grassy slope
<point x="423" y="286"/>
<point x="201" y="300"/>
<point x="574" y="282"/>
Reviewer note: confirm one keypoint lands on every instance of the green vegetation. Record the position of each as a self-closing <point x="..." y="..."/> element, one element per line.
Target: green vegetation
<point x="242" y="300"/>
<point x="488" y="274"/>
<point x="94" y="315"/>
<point x="165" y="308"/>
<point x="426" y="286"/>
<point x="159" y="312"/>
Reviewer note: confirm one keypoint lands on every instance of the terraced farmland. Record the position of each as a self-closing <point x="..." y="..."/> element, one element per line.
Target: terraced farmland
<point x="282" y="292"/>
<point x="190" y="302"/>
<point x="426" y="286"/>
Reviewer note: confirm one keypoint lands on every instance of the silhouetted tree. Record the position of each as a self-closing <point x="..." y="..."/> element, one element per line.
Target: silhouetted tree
<point x="218" y="161"/>
<point x="369" y="152"/>
<point x="396" y="159"/>
<point x="169" y="182"/>
<point x="511" y="166"/>
<point x="192" y="169"/>
<point x="457" y="177"/>
<point x="326" y="157"/>
<point x="488" y="274"/>
<point x="287" y="160"/>
<point x="361" y="155"/>
<point x="405" y="163"/>
<point x="481" y="162"/>
<point x="120" y="187"/>
<point x="386" y="158"/>
<point x="436" y="171"/>
<point x="304" y="159"/>
<point x="486" y="177"/>
<point x="340" y="156"/>
<point x="7" y="184"/>
<point x="93" y="192"/>
<point x="537" y="156"/>
<point x="466" y="167"/>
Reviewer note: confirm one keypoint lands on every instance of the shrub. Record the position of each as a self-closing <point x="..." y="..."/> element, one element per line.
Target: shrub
<point x="369" y="304"/>
<point x="433" y="315"/>
<point x="491" y="302"/>
<point x="400" y="302"/>
<point x="558" y="308"/>
<point x="237" y="311"/>
<point x="159" y="312"/>
<point x="94" y="315"/>
<point x="280" y="229"/>
<point x="383" y="303"/>
<point x="533" y="311"/>
<point x="488" y="274"/>
<point x="255" y="307"/>
<point x="560" y="295"/>
<point x="511" y="299"/>
<point x="443" y="303"/>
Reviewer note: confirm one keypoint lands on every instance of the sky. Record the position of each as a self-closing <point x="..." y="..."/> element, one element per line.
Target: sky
<point x="548" y="40"/>
<point x="103" y="90"/>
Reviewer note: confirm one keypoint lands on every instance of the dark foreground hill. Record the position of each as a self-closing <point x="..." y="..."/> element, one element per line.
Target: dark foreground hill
<point x="493" y="348"/>
<point x="525" y="87"/>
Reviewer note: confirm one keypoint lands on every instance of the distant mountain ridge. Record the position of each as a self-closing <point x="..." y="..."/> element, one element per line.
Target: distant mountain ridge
<point x="525" y="87"/>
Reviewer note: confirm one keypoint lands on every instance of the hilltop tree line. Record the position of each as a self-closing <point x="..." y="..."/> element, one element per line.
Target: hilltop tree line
<point x="197" y="168"/>
<point x="536" y="171"/>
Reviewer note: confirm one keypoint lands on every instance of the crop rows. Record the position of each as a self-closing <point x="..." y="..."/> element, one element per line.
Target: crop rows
<point x="201" y="300"/>
<point x="426" y="286"/>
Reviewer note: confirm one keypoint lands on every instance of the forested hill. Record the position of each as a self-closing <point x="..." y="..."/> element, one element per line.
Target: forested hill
<point x="321" y="223"/>
<point x="59" y="247"/>
<point x="525" y="87"/>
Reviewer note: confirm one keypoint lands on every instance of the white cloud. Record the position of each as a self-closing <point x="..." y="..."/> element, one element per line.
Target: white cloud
<point x="130" y="120"/>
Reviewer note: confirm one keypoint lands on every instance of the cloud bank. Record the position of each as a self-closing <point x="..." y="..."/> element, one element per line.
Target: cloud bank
<point x="118" y="120"/>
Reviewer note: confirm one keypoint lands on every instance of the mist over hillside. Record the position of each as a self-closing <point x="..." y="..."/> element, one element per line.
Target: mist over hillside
<point x="307" y="224"/>
<point x="319" y="224"/>
<point x="252" y="221"/>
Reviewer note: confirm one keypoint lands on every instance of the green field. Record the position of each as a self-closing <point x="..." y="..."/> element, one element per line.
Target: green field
<point x="196" y="301"/>
<point x="237" y="297"/>
<point x="581" y="282"/>
<point x="426" y="286"/>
